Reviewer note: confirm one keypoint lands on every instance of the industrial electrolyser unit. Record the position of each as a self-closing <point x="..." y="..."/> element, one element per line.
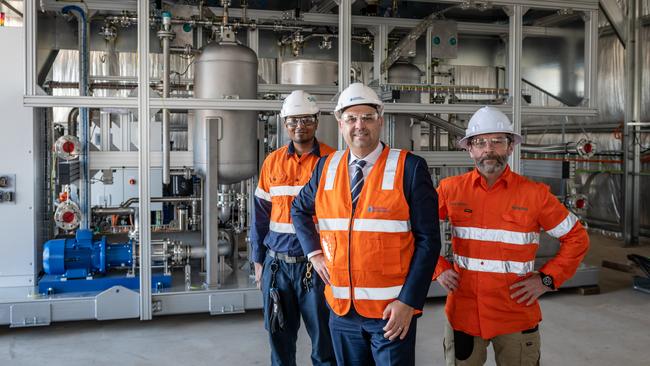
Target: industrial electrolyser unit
<point x="133" y="197"/>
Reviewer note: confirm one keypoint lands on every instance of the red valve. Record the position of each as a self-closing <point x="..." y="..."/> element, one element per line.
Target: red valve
<point x="68" y="217"/>
<point x="580" y="203"/>
<point x="588" y="148"/>
<point x="68" y="147"/>
<point x="132" y="181"/>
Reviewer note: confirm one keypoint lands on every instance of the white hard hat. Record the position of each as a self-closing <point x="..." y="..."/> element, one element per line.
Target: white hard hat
<point x="489" y="120"/>
<point x="357" y="94"/>
<point x="299" y="103"/>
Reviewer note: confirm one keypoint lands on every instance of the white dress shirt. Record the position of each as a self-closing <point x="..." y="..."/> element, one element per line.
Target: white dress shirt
<point x="370" y="160"/>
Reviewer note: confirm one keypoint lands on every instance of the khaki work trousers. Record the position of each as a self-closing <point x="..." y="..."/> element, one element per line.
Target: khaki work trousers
<point x="514" y="349"/>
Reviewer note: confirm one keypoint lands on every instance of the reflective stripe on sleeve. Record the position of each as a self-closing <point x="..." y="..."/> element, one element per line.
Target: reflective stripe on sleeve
<point x="564" y="227"/>
<point x="503" y="236"/>
<point x="388" y="181"/>
<point x="331" y="169"/>
<point x="282" y="227"/>
<point x="262" y="194"/>
<point x="494" y="266"/>
<point x="285" y="191"/>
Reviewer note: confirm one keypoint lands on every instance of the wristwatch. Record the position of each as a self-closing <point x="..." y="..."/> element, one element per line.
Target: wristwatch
<point x="547" y="280"/>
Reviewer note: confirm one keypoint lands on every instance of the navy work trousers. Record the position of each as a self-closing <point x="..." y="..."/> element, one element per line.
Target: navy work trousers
<point x="360" y="341"/>
<point x="296" y="302"/>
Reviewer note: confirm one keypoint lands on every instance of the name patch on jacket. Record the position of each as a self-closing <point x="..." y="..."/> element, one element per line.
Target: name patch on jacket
<point x="377" y="209"/>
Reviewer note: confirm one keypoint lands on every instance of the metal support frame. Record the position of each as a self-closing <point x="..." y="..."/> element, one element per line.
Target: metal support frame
<point x="591" y="59"/>
<point x="143" y="164"/>
<point x="515" y="38"/>
<point x="345" y="54"/>
<point x="380" y="32"/>
<point x="631" y="129"/>
<point x="616" y="18"/>
<point x="345" y="41"/>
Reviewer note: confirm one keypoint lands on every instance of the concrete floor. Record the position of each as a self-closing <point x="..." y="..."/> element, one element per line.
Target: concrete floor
<point x="612" y="328"/>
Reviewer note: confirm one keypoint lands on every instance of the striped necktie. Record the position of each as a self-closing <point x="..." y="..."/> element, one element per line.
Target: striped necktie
<point x="357" y="180"/>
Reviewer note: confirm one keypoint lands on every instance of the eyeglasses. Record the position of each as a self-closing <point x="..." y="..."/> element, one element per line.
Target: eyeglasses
<point x="307" y="121"/>
<point x="351" y="119"/>
<point x="498" y="142"/>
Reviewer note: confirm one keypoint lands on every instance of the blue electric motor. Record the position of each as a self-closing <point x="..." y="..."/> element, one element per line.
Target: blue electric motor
<point x="81" y="257"/>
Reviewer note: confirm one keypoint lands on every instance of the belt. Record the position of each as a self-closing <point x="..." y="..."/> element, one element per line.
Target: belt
<point x="286" y="258"/>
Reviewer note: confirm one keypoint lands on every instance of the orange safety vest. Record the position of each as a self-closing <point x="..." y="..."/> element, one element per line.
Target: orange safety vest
<point x="495" y="236"/>
<point x="368" y="252"/>
<point x="282" y="177"/>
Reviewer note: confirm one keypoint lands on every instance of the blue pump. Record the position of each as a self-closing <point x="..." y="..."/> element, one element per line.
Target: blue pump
<point x="81" y="257"/>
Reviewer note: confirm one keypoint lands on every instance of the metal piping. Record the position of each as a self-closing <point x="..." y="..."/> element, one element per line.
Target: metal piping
<point x="108" y="211"/>
<point x="84" y="199"/>
<point x="582" y="147"/>
<point x="133" y="200"/>
<point x="166" y="35"/>
<point x="439" y="122"/>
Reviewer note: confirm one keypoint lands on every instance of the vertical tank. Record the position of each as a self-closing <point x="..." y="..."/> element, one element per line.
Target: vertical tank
<point x="404" y="72"/>
<point x="226" y="70"/>
<point x="314" y="72"/>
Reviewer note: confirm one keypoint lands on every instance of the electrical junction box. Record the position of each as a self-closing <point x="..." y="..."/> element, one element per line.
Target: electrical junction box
<point x="22" y="170"/>
<point x="444" y="39"/>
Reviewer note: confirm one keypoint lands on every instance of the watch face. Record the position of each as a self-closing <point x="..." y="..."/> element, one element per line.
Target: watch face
<point x="547" y="281"/>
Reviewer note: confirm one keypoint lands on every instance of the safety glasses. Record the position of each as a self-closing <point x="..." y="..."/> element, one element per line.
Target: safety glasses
<point x="351" y="118"/>
<point x="306" y="121"/>
<point x="497" y="142"/>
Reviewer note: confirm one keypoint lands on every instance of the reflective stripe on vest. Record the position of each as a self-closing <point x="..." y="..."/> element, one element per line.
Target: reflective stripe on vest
<point x="371" y="225"/>
<point x="260" y="193"/>
<point x="331" y="170"/>
<point x="503" y="236"/>
<point x="367" y="293"/>
<point x="494" y="266"/>
<point x="564" y="227"/>
<point x="388" y="181"/>
<point x="285" y="191"/>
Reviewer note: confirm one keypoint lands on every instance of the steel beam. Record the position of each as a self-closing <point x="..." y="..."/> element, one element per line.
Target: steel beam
<point x="616" y="18"/>
<point x="345" y="42"/>
<point x="380" y="33"/>
<point x="276" y="105"/>
<point x="547" y="4"/>
<point x="631" y="129"/>
<point x="130" y="159"/>
<point x="30" y="46"/>
<point x="144" y="209"/>
<point x="515" y="38"/>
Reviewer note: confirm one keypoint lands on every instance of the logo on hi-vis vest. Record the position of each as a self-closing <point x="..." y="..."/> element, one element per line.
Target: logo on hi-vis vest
<point x="327" y="249"/>
<point x="377" y="209"/>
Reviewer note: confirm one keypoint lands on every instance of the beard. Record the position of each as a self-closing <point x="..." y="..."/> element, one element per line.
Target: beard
<point x="498" y="163"/>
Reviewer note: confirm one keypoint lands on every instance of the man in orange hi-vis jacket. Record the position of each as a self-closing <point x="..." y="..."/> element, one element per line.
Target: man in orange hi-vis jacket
<point x="282" y="271"/>
<point x="496" y="216"/>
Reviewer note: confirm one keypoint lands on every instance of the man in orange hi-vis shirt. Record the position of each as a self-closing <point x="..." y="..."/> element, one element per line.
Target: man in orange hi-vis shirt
<point x="496" y="216"/>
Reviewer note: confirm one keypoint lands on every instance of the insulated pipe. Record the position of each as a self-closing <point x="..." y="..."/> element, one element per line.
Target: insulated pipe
<point x="108" y="211"/>
<point x="166" y="36"/>
<point x="439" y="122"/>
<point x="84" y="198"/>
